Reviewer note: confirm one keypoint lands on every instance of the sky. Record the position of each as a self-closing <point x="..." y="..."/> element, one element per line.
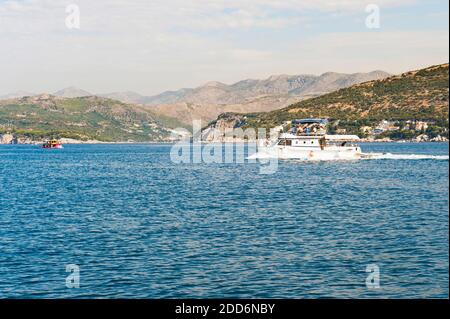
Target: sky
<point x="150" y="46"/>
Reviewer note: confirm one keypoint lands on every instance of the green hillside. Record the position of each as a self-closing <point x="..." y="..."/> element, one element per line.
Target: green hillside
<point x="416" y="95"/>
<point x="84" y="118"/>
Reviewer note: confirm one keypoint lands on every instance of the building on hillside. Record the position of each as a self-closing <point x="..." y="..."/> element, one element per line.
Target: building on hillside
<point x="421" y="126"/>
<point x="366" y="129"/>
<point x="418" y="125"/>
<point x="387" y="126"/>
<point x="377" y="131"/>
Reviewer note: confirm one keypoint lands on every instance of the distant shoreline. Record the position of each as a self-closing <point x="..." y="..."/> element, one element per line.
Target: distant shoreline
<point x="211" y="142"/>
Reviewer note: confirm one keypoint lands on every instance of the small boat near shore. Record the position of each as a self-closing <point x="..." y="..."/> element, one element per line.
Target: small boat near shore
<point x="52" y="144"/>
<point x="307" y="139"/>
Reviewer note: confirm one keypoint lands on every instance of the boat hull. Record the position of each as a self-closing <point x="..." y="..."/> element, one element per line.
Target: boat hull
<point x="309" y="154"/>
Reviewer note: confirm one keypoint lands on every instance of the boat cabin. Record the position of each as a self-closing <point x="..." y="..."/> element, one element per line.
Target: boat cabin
<point x="312" y="134"/>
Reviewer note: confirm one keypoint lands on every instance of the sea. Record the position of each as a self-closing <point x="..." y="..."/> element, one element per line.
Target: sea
<point x="126" y="221"/>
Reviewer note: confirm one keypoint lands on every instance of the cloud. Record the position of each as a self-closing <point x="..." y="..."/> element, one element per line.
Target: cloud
<point x="150" y="46"/>
<point x="46" y="15"/>
<point x="395" y="52"/>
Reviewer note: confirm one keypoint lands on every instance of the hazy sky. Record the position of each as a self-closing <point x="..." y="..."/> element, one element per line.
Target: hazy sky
<point x="149" y="46"/>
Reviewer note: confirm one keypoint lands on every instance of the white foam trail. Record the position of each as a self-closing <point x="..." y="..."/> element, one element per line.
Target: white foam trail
<point x="260" y="156"/>
<point x="366" y="156"/>
<point x="404" y="156"/>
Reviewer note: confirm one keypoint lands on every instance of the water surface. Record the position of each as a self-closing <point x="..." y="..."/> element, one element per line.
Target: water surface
<point x="140" y="226"/>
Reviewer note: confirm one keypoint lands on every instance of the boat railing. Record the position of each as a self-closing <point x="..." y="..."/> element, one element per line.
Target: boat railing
<point x="311" y="134"/>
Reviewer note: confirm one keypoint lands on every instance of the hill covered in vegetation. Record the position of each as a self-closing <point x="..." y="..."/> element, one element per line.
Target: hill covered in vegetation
<point x="81" y="118"/>
<point x="413" y="96"/>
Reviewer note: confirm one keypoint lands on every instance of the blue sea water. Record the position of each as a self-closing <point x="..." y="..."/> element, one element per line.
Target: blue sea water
<point x="140" y="226"/>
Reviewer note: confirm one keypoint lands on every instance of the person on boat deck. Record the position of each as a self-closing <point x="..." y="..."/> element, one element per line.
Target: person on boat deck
<point x="321" y="128"/>
<point x="307" y="130"/>
<point x="299" y="129"/>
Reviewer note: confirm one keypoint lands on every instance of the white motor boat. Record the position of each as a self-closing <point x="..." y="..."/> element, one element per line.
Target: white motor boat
<point x="308" y="140"/>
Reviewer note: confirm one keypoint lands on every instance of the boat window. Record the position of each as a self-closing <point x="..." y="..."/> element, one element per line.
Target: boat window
<point x="285" y="142"/>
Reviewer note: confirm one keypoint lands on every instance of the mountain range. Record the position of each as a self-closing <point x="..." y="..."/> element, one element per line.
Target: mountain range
<point x="246" y="90"/>
<point x="214" y="98"/>
<point x="206" y="102"/>
<point x="240" y="92"/>
<point x="75" y="113"/>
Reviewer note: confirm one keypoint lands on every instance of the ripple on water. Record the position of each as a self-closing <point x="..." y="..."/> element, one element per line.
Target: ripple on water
<point x="140" y="226"/>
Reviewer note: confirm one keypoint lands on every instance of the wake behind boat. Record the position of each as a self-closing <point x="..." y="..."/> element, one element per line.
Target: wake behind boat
<point x="307" y="139"/>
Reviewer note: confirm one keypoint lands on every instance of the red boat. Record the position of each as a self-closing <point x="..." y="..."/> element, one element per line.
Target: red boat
<point x="52" y="144"/>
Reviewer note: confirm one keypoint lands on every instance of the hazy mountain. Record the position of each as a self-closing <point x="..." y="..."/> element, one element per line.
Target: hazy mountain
<point x="185" y="113"/>
<point x="330" y="81"/>
<point x="217" y="93"/>
<point x="277" y="91"/>
<point x="243" y="91"/>
<point x="71" y="92"/>
<point x="16" y="95"/>
<point x="208" y="101"/>
<point x="168" y="97"/>
<point x="237" y="93"/>
<point x="126" y="97"/>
